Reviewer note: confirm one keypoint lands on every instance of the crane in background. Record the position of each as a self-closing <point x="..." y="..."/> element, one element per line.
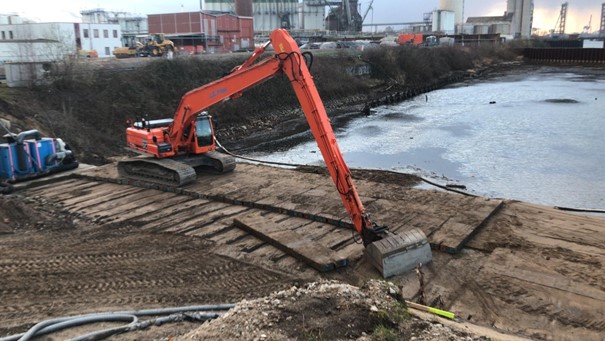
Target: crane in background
<point x="602" y="28"/>
<point x="365" y="14"/>
<point x="561" y="20"/>
<point x="588" y="28"/>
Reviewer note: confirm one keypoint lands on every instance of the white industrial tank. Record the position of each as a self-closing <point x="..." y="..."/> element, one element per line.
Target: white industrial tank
<point x="456" y="6"/>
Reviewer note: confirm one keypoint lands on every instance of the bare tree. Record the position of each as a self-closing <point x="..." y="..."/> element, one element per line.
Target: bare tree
<point x="42" y="49"/>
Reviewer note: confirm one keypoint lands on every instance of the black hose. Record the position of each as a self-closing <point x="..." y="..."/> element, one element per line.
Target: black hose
<point x="256" y="160"/>
<point x="54" y="325"/>
<point x="300" y="165"/>
<point x="587" y="210"/>
<point x="449" y="189"/>
<point x="57" y="324"/>
<point x="6" y="188"/>
<point x="134" y="326"/>
<point x="308" y="57"/>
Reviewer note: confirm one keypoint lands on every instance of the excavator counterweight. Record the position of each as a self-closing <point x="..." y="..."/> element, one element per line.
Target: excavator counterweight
<point x="190" y="132"/>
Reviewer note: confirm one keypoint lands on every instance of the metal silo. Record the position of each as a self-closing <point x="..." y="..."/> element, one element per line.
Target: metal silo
<point x="456" y="6"/>
<point x="522" y="11"/>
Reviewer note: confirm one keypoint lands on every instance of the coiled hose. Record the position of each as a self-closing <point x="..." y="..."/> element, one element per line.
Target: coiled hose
<point x="191" y="313"/>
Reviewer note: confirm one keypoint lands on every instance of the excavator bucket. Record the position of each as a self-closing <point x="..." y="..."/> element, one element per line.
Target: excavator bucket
<point x="396" y="254"/>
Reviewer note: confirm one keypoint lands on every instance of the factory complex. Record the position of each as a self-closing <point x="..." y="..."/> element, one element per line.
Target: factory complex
<point x="239" y="25"/>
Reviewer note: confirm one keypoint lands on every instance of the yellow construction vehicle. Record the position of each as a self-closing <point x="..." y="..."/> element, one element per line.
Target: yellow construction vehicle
<point x="156" y="46"/>
<point x="128" y="51"/>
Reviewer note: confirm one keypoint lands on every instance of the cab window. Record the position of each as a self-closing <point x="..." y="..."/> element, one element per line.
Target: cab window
<point x="203" y="132"/>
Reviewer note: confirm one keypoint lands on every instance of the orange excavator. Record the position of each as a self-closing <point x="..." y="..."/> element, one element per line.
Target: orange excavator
<point x="180" y="144"/>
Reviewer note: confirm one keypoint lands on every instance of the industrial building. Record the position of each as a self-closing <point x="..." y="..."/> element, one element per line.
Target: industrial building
<point x="193" y="32"/>
<point x="33" y="42"/>
<point x="212" y="31"/>
<point x="443" y="21"/>
<point x="131" y="25"/>
<point x="522" y="17"/>
<point x="344" y="17"/>
<point x="516" y="21"/>
<point x="272" y="14"/>
<point x="27" y="49"/>
<point x="42" y="42"/>
<point x="489" y="25"/>
<point x="455" y="7"/>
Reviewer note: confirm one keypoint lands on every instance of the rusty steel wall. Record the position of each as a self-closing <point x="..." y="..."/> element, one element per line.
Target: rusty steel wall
<point x="565" y="55"/>
<point x="177" y="23"/>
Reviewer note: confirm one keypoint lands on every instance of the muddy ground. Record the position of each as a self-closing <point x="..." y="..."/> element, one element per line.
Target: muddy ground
<point x="77" y="246"/>
<point x="56" y="263"/>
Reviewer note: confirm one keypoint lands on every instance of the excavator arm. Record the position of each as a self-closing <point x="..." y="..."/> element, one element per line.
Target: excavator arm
<point x="228" y="87"/>
<point x="296" y="70"/>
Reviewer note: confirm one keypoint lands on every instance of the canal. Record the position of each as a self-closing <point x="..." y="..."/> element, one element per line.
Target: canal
<point x="536" y="136"/>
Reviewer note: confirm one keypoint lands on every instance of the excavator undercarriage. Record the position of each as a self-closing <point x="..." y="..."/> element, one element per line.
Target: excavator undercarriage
<point x="177" y="171"/>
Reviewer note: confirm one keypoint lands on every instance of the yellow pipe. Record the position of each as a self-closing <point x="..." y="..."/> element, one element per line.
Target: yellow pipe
<point x="435" y="311"/>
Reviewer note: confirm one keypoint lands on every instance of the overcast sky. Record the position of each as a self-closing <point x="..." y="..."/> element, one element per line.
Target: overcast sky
<point x="545" y="15"/>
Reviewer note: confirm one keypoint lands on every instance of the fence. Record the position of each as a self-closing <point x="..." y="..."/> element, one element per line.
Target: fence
<point x="565" y="55"/>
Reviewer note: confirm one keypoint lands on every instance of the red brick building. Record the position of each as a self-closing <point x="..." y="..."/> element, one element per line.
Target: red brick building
<point x="215" y="32"/>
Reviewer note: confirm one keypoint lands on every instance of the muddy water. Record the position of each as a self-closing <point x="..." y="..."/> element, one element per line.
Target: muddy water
<point x="538" y="136"/>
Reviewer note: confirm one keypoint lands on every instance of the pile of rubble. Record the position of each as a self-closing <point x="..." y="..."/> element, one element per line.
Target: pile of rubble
<point x="327" y="310"/>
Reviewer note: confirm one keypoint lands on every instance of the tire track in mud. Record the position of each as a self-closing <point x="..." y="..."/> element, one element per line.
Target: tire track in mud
<point x="117" y="206"/>
<point x="76" y="262"/>
<point x="551" y="295"/>
<point x="107" y="269"/>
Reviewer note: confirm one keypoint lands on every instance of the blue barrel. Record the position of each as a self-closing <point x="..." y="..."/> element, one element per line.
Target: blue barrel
<point x="40" y="150"/>
<point x="7" y="159"/>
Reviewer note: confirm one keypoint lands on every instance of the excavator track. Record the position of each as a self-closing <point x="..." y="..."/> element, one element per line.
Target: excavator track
<point x="221" y="162"/>
<point x="160" y="171"/>
<point x="173" y="172"/>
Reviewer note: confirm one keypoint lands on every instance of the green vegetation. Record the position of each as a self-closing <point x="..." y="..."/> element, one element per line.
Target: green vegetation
<point x="397" y="313"/>
<point x="383" y="333"/>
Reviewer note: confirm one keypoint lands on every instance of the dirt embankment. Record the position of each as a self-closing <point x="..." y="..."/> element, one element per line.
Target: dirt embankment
<point x="73" y="266"/>
<point x="82" y="246"/>
<point x="88" y="104"/>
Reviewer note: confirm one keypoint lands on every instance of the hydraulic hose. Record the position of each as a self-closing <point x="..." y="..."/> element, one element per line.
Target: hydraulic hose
<point x="54" y="325"/>
<point x="57" y="324"/>
<point x="256" y="160"/>
<point x="300" y="165"/>
<point x="101" y="334"/>
<point x="587" y="210"/>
